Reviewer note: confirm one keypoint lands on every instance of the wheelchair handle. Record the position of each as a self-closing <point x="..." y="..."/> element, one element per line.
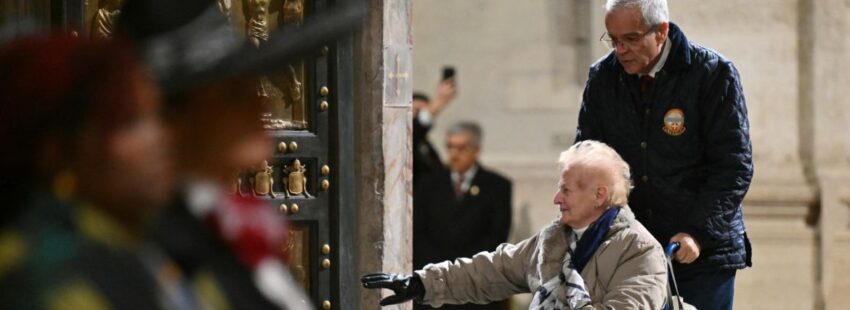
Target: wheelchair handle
<point x="671" y="248"/>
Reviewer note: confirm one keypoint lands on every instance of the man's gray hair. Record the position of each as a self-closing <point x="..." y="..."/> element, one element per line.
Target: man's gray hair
<point x="467" y="127"/>
<point x="654" y="11"/>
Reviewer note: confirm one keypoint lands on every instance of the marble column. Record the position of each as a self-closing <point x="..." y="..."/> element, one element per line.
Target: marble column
<point x="383" y="115"/>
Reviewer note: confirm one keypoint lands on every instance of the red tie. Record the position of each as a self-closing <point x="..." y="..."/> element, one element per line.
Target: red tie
<point x="459" y="186"/>
<point x="645" y="83"/>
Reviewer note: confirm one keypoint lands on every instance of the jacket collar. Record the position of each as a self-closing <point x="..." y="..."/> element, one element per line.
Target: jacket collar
<point x="680" y="56"/>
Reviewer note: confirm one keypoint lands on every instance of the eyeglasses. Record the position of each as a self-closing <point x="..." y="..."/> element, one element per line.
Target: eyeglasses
<point x="462" y="147"/>
<point x="630" y="40"/>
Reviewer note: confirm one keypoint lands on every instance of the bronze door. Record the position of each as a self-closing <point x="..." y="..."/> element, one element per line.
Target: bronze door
<point x="309" y="116"/>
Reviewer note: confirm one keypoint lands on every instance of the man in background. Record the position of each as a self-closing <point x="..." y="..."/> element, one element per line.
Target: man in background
<point x="462" y="210"/>
<point x="425" y="111"/>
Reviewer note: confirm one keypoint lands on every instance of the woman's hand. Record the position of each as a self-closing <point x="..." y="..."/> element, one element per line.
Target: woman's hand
<point x="405" y="287"/>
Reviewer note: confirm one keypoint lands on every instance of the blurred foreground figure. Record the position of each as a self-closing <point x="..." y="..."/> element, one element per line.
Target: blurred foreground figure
<point x="86" y="165"/>
<point x="595" y="256"/>
<point x="227" y="245"/>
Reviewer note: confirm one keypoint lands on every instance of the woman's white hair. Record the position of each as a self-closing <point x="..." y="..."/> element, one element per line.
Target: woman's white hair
<point x="654" y="11"/>
<point x="598" y="162"/>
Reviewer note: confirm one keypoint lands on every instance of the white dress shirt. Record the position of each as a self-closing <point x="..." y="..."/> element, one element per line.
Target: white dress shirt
<point x="665" y="51"/>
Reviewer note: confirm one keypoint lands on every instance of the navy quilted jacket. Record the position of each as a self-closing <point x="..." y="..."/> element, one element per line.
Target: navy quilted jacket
<point x="687" y="141"/>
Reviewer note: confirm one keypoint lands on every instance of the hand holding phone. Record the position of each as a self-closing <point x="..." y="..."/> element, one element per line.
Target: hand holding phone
<point x="448" y="72"/>
<point x="446" y="91"/>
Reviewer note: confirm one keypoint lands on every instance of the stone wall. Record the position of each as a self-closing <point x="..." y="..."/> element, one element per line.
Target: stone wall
<point x="521" y="69"/>
<point x="382" y="80"/>
<point x="828" y="27"/>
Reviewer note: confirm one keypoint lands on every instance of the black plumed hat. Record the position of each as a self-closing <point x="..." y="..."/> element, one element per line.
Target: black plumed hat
<point x="189" y="43"/>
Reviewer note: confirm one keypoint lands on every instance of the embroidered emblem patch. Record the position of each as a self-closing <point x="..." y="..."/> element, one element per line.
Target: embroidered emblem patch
<point x="674" y="122"/>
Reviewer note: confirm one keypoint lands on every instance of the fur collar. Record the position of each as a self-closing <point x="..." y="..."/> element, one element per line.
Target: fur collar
<point x="555" y="238"/>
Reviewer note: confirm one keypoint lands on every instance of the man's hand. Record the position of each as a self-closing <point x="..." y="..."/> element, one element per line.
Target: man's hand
<point x="405" y="287"/>
<point x="446" y="92"/>
<point x="689" y="248"/>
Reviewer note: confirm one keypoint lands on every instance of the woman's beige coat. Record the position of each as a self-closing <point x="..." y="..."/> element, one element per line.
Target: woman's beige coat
<point x="628" y="270"/>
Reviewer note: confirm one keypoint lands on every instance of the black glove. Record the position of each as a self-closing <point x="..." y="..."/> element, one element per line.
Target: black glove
<point x="405" y="287"/>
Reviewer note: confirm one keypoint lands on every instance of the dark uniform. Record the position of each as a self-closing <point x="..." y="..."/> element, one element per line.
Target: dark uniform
<point x="204" y="258"/>
<point x="60" y="254"/>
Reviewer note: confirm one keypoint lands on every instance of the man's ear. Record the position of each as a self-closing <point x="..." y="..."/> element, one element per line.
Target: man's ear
<point x="663" y="30"/>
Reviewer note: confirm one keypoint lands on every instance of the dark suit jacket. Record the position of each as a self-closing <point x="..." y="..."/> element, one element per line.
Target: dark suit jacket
<point x="446" y="228"/>
<point x="425" y="158"/>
